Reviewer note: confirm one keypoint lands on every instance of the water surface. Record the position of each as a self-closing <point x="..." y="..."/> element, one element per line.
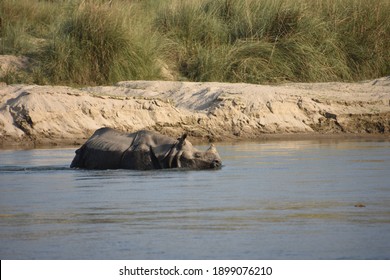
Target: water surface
<point x="271" y="200"/>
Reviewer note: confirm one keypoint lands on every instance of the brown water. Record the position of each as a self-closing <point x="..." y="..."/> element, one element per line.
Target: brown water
<point x="315" y="199"/>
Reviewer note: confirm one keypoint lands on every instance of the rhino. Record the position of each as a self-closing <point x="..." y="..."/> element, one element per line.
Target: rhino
<point x="108" y="148"/>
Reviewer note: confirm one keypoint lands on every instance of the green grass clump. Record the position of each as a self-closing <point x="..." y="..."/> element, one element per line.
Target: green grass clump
<point x="23" y="24"/>
<point x="85" y="43"/>
<point x="272" y="41"/>
<point x="257" y="41"/>
<point x="98" y="45"/>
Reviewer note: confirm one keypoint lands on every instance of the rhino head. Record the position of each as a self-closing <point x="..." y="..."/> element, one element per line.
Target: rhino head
<point x="184" y="155"/>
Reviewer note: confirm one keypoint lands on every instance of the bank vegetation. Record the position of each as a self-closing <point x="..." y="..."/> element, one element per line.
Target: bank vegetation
<point x="95" y="42"/>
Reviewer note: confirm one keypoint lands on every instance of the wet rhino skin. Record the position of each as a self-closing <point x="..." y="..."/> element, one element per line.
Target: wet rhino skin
<point x="108" y="148"/>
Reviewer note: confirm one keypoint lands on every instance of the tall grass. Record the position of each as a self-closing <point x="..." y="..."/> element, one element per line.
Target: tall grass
<point x="99" y="44"/>
<point x="271" y="41"/>
<point x="256" y="41"/>
<point x="23" y="24"/>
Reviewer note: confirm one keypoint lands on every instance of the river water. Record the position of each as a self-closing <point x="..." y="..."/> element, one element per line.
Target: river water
<point x="317" y="199"/>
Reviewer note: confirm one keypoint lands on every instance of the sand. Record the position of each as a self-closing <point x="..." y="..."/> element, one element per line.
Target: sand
<point x="58" y="115"/>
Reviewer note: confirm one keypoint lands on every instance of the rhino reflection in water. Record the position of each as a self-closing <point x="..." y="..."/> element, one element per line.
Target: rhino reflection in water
<point x="111" y="149"/>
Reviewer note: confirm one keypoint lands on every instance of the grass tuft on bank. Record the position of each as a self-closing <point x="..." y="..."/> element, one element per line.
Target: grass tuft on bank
<point x="93" y="42"/>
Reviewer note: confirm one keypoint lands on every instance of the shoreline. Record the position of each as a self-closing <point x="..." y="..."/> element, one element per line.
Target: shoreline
<point x="57" y="143"/>
<point x="36" y="116"/>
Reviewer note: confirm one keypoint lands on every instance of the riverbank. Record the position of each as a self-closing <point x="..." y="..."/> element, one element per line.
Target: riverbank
<point x="79" y="42"/>
<point x="58" y="115"/>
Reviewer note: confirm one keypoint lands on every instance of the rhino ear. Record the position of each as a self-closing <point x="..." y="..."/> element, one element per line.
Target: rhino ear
<point x="182" y="139"/>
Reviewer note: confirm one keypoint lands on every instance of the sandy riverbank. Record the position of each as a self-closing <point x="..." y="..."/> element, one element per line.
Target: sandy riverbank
<point x="34" y="115"/>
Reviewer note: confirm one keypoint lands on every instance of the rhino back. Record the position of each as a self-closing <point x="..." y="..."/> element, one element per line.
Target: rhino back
<point x="103" y="150"/>
<point x="108" y="139"/>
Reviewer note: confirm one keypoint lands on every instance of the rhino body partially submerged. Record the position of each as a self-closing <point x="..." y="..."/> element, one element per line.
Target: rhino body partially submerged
<point x="111" y="149"/>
